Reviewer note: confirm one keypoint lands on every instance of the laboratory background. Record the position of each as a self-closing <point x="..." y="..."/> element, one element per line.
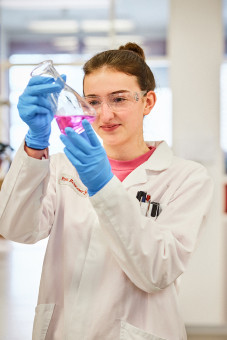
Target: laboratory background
<point x="185" y="42"/>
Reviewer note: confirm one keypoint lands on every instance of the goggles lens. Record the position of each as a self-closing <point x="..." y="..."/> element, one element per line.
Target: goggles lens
<point x="116" y="101"/>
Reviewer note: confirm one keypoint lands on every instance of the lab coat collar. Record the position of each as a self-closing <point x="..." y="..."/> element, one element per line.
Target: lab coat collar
<point x="160" y="160"/>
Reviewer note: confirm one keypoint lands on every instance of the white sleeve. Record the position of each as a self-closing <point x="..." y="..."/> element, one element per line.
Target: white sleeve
<point x="25" y="214"/>
<point x="154" y="253"/>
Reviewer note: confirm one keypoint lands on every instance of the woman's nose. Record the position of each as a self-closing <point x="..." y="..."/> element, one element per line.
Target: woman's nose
<point x="105" y="112"/>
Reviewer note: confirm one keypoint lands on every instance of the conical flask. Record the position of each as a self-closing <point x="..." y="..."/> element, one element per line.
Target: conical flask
<point x="68" y="106"/>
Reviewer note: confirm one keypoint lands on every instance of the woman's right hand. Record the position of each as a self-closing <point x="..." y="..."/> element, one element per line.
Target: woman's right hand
<point x="36" y="110"/>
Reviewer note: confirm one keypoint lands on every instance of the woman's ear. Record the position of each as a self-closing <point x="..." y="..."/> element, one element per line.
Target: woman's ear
<point x="150" y="102"/>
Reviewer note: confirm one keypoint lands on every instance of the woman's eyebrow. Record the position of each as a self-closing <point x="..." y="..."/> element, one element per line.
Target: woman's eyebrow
<point x="120" y="91"/>
<point x="114" y="92"/>
<point x="92" y="95"/>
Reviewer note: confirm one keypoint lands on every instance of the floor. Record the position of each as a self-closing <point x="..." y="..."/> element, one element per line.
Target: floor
<point x="20" y="270"/>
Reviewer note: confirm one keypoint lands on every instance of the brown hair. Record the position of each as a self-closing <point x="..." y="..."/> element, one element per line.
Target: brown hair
<point x="129" y="59"/>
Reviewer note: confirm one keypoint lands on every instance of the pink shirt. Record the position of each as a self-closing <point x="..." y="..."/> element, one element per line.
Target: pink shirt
<point x="122" y="169"/>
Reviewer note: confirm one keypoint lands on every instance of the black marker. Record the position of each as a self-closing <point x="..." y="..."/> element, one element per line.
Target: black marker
<point x="155" y="209"/>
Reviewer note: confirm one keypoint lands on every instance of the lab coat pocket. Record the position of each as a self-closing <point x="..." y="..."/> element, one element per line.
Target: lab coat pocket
<point x="43" y="314"/>
<point x="129" y="332"/>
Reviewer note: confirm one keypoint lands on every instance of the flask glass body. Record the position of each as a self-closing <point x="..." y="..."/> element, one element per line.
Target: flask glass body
<point x="68" y="106"/>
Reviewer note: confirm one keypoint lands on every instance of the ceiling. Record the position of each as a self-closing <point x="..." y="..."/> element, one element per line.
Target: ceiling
<point x="82" y="26"/>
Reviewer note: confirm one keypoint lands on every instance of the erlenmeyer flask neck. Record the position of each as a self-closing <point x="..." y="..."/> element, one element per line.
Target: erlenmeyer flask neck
<point x="46" y="68"/>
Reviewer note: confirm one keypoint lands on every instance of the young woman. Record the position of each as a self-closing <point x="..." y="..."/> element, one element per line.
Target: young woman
<point x="123" y="219"/>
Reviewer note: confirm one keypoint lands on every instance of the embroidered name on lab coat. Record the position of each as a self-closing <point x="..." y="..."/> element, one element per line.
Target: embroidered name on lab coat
<point x="72" y="182"/>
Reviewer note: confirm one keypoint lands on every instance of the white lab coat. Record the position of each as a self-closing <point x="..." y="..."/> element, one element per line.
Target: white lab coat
<point x="109" y="271"/>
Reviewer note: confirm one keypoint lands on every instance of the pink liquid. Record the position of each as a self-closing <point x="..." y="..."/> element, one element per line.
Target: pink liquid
<point x="74" y="122"/>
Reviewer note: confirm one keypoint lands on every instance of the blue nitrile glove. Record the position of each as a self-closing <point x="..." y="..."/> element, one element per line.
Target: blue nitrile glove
<point x="37" y="111"/>
<point x="89" y="158"/>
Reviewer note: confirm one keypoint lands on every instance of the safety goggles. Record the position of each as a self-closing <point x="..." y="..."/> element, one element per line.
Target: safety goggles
<point x="118" y="101"/>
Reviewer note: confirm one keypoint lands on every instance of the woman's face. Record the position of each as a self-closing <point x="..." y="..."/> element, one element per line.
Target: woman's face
<point x="117" y="127"/>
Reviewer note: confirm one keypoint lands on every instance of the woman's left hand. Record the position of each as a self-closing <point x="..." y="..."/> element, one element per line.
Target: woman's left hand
<point x="89" y="159"/>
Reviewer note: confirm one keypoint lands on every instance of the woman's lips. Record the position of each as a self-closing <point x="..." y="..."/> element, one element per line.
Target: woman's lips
<point x="109" y="127"/>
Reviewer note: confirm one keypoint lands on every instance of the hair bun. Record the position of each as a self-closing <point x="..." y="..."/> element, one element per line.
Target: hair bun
<point x="134" y="48"/>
